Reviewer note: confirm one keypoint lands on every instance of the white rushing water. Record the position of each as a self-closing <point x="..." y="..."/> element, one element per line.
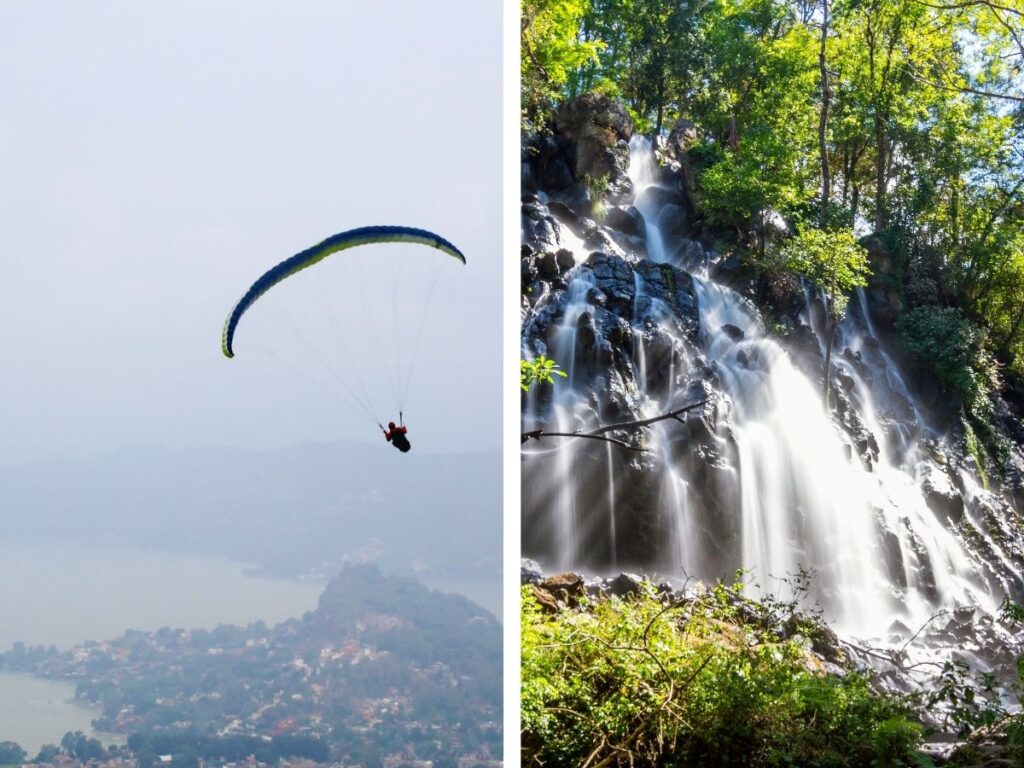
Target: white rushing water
<point x="804" y="502"/>
<point x="804" y="499"/>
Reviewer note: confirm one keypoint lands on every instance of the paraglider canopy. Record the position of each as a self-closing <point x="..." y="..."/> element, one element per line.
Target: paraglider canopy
<point x="352" y="238"/>
<point x="360" y="395"/>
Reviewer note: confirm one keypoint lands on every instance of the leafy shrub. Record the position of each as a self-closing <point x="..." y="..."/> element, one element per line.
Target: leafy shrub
<point x="952" y="348"/>
<point x="834" y="260"/>
<point x="701" y="682"/>
<point x="540" y="370"/>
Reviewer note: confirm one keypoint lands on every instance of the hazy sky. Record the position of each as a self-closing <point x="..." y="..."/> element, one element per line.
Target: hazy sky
<point x="155" y="158"/>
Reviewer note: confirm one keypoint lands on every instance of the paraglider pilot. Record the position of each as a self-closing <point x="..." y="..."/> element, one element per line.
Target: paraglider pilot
<point x="396" y="434"/>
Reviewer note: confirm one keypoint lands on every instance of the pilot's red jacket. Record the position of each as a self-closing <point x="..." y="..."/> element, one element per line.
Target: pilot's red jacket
<point x="394" y="431"/>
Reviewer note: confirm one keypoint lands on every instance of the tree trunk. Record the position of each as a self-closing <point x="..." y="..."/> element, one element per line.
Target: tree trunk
<point x="880" y="166"/>
<point x="1012" y="336"/>
<point x="826" y="181"/>
<point x="828" y="358"/>
<point x="661" y="108"/>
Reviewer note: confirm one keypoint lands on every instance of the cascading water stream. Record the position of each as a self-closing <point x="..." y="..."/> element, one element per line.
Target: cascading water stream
<point x="795" y="487"/>
<point x="804" y="502"/>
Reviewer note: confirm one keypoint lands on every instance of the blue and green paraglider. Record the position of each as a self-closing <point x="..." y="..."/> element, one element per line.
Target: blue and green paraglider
<point x="353" y="238"/>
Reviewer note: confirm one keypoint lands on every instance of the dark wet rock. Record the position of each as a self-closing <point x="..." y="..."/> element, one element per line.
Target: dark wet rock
<point x="619" y="187"/>
<point x="675" y="221"/>
<point x="546" y="163"/>
<point x="577" y="197"/>
<point x="527" y="179"/>
<point x="941" y="496"/>
<point x="734" y="333"/>
<point x="783" y="294"/>
<point x="688" y="254"/>
<point x="995" y="746"/>
<point x="628" y="220"/>
<point x="601" y="240"/>
<point x="565" y="215"/>
<point x="681" y="141"/>
<point x="598" y="128"/>
<point x="624" y="585"/>
<point x="634" y="247"/>
<point x="557" y="174"/>
<point x="552" y="264"/>
<point x="845" y="381"/>
<point x="540" y="230"/>
<point x="530" y="572"/>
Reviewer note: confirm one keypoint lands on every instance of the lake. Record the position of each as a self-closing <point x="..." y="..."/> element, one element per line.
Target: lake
<point x="34" y="712"/>
<point x="64" y="595"/>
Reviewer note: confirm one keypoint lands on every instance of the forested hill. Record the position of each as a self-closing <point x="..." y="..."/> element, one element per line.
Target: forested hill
<point x="901" y="119"/>
<point x="288" y="510"/>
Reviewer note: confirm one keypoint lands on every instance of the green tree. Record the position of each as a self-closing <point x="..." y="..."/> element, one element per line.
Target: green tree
<point x="11" y="753"/>
<point x="46" y="753"/>
<point x="952" y="348"/>
<point x="552" y="52"/>
<point x="81" y="747"/>
<point x="757" y="110"/>
<point x="837" y="264"/>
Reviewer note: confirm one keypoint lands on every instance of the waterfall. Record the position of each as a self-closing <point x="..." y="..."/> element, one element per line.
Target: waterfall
<point x="779" y="486"/>
<point x="805" y="503"/>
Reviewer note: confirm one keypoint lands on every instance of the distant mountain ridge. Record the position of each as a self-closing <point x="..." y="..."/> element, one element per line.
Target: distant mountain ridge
<point x="288" y="510"/>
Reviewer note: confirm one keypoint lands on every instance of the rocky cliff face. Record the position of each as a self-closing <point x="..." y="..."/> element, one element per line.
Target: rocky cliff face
<point x="877" y="495"/>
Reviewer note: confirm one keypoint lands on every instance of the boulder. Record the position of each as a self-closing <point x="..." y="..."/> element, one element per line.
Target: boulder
<point x="530" y="572"/>
<point x="626" y="219"/>
<point x="941" y="496"/>
<point x="624" y="585"/>
<point x="733" y="332"/>
<point x="562" y="588"/>
<point x="681" y="141"/>
<point x="599" y="129"/>
<point x="548" y="602"/>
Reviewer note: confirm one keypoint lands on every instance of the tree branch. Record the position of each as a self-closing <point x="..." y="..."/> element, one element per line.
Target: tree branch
<point x="599" y="433"/>
<point x="964" y="88"/>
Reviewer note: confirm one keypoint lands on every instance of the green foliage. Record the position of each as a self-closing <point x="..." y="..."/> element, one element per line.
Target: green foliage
<point x="705" y="681"/>
<point x="833" y="260"/>
<point x="923" y="136"/>
<point x="538" y="370"/>
<point x="741" y="185"/>
<point x="46" y="753"/>
<point x="952" y="348"/>
<point x="551" y="51"/>
<point x="970" y="700"/>
<point x="81" y="747"/>
<point x="11" y="753"/>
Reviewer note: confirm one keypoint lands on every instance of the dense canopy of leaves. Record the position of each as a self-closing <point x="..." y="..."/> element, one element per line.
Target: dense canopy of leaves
<point x="904" y="118"/>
